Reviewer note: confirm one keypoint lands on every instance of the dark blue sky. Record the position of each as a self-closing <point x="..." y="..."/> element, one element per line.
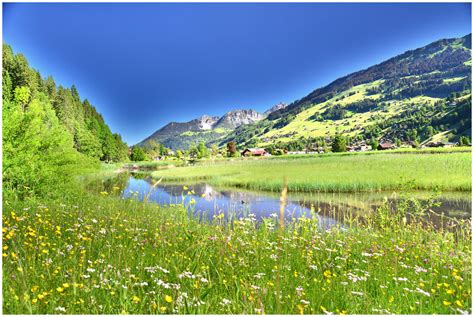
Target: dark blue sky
<point x="143" y="65"/>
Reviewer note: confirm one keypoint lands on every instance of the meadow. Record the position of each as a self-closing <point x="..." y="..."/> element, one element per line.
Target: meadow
<point x="97" y="254"/>
<point x="347" y="172"/>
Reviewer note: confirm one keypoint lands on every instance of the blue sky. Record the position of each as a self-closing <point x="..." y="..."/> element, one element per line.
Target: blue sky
<point x="143" y="65"/>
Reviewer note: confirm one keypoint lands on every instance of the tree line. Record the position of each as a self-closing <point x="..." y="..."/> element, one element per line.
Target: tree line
<point x="48" y="130"/>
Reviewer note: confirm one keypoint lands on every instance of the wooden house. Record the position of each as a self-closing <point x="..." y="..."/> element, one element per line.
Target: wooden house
<point x="254" y="152"/>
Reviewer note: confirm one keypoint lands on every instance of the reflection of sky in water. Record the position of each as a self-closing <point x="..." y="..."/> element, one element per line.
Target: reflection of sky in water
<point x="209" y="202"/>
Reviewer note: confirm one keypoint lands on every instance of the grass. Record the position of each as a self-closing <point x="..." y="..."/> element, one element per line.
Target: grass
<point x="443" y="169"/>
<point x="303" y="126"/>
<point x="92" y="254"/>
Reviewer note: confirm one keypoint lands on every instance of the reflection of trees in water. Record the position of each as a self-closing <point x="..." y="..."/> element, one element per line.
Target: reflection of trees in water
<point x="112" y="185"/>
<point x="202" y="190"/>
<point x="144" y="176"/>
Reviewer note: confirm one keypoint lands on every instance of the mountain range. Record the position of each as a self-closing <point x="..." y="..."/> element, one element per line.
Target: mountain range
<point x="420" y="95"/>
<point x="182" y="135"/>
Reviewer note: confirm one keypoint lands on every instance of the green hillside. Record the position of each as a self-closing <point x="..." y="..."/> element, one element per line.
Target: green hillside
<point x="411" y="97"/>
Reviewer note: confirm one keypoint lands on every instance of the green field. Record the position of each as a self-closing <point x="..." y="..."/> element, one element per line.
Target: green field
<point x="88" y="254"/>
<point x="418" y="170"/>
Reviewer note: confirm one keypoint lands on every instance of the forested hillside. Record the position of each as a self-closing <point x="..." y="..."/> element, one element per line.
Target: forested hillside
<point x="48" y="130"/>
<point x="413" y="97"/>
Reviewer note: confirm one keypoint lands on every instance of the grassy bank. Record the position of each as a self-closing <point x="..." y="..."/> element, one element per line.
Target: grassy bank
<point x="424" y="170"/>
<point x="100" y="254"/>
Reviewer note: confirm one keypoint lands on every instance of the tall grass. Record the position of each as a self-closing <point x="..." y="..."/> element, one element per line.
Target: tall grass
<point x="336" y="173"/>
<point x="92" y="254"/>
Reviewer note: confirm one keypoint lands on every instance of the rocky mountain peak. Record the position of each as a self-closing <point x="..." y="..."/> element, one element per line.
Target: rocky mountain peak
<point x="236" y="118"/>
<point x="207" y="122"/>
<point x="276" y="107"/>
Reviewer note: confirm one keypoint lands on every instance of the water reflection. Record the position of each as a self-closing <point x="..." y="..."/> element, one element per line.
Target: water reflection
<point x="205" y="201"/>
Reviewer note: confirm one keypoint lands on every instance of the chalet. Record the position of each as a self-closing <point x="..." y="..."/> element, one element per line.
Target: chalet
<point x="254" y="152"/>
<point x="385" y="146"/>
<point x="441" y="144"/>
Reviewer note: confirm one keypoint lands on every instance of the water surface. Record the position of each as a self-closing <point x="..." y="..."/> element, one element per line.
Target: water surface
<point x="206" y="201"/>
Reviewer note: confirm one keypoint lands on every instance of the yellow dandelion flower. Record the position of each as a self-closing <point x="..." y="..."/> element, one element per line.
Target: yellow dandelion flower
<point x="446" y="303"/>
<point x="449" y="291"/>
<point x="60" y="289"/>
<point x="34" y="288"/>
<point x="163" y="309"/>
<point x="65" y="285"/>
<point x="459" y="303"/>
<point x="135" y="299"/>
<point x="301" y="309"/>
<point x="168" y="299"/>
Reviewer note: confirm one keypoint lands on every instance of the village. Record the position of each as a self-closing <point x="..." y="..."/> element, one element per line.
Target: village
<point x="202" y="152"/>
<point x="359" y="147"/>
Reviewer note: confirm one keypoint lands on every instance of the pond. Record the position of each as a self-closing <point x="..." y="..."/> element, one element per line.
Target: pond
<point x="206" y="201"/>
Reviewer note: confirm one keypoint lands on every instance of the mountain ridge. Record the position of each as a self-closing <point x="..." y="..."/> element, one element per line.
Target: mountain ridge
<point x="408" y="85"/>
<point x="205" y="127"/>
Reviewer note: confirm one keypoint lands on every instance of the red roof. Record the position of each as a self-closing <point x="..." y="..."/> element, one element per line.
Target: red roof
<point x="255" y="151"/>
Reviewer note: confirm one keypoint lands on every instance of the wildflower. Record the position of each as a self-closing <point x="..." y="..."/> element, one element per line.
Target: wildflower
<point x="168" y="299"/>
<point x="135" y="299"/>
<point x="459" y="303"/>
<point x="299" y="290"/>
<point x="34" y="288"/>
<point x="357" y="293"/>
<point x="60" y="289"/>
<point x="225" y="302"/>
<point x="60" y="309"/>
<point x="446" y="303"/>
<point x="163" y="309"/>
<point x="419" y="290"/>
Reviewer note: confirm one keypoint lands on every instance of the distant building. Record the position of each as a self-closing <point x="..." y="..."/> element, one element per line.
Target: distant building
<point x="364" y="148"/>
<point x="359" y="148"/>
<point x="296" y="152"/>
<point x="385" y="146"/>
<point x="449" y="144"/>
<point x="441" y="144"/>
<point x="254" y="152"/>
